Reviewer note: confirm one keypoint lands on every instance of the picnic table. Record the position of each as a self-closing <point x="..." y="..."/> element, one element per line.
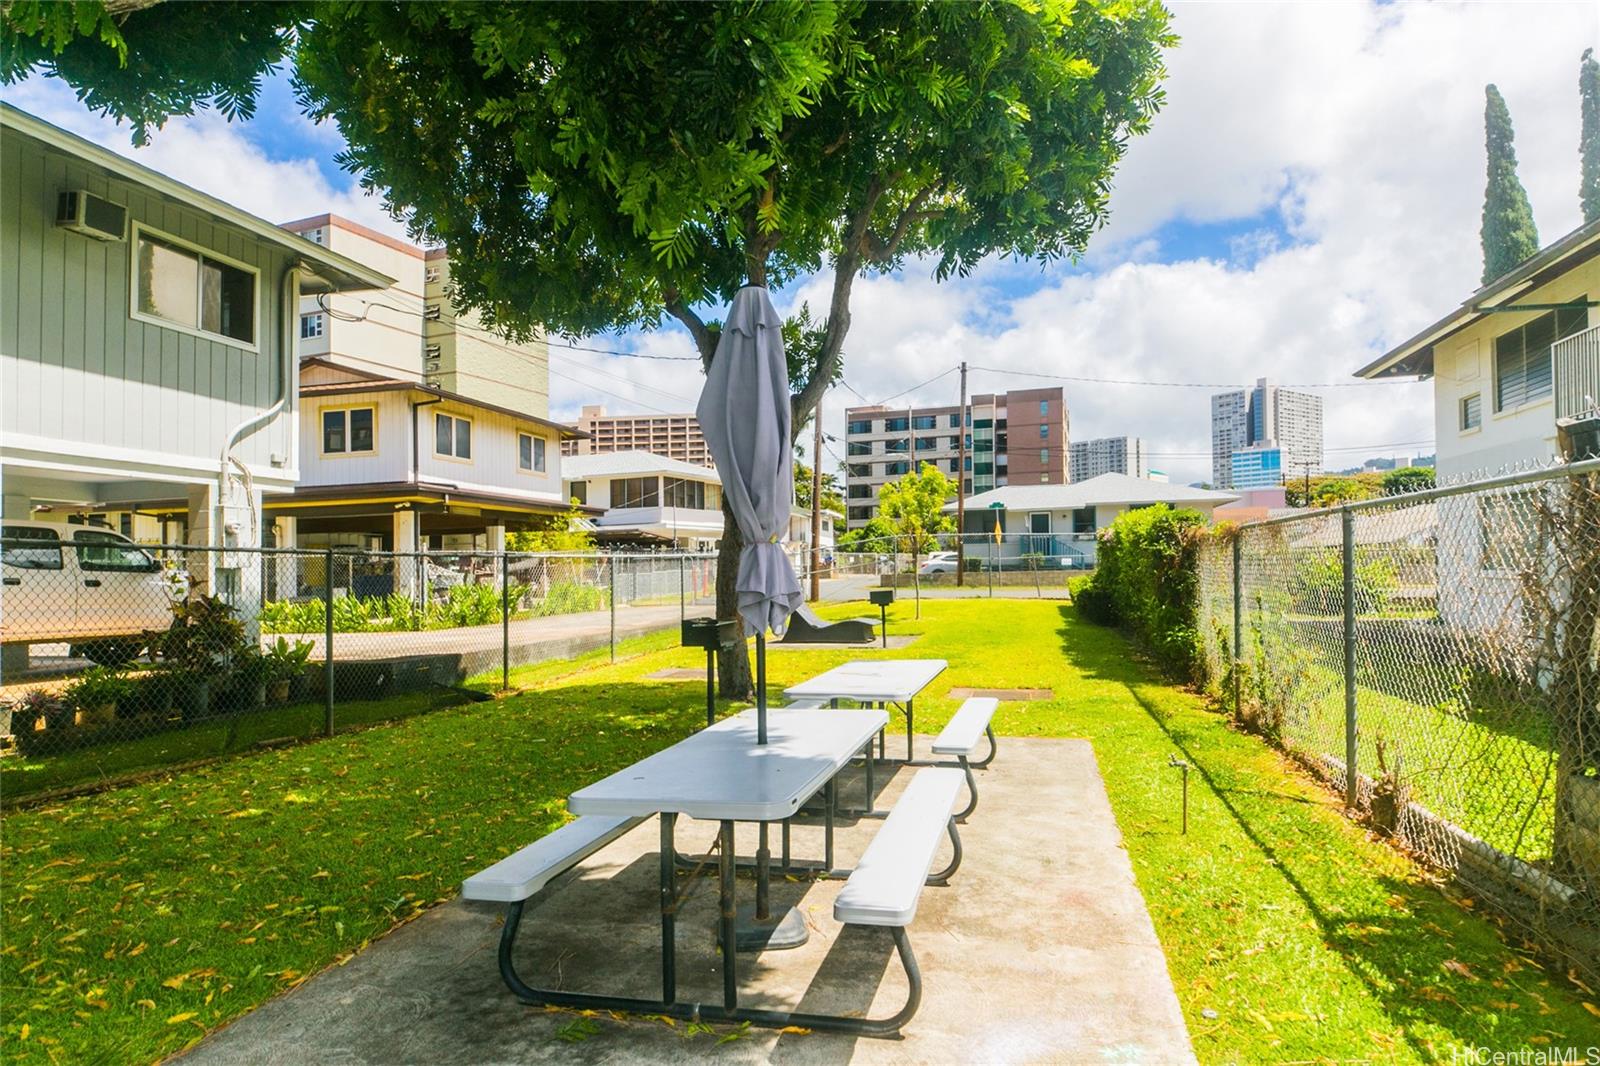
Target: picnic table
<point x="721" y="774"/>
<point x="874" y="681"/>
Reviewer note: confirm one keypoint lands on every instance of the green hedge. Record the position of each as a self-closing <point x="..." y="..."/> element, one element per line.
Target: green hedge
<point x="1146" y="581"/>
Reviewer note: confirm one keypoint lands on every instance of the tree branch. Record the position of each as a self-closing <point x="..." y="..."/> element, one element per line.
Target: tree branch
<point x="704" y="340"/>
<point x="884" y="251"/>
<point x="845" y="267"/>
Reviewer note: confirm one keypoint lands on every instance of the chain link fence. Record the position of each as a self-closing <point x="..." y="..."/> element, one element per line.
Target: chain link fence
<point x="121" y="656"/>
<point x="1436" y="657"/>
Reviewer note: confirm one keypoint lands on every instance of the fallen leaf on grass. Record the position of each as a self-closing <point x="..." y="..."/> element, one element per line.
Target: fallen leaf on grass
<point x="1455" y="966"/>
<point x="1591" y="1008"/>
<point x="179" y="1019"/>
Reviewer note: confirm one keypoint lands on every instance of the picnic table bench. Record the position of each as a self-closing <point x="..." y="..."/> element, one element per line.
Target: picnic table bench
<point x="718" y="774"/>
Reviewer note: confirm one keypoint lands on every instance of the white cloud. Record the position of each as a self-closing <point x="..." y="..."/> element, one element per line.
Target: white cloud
<point x="219" y="158"/>
<point x="1362" y="128"/>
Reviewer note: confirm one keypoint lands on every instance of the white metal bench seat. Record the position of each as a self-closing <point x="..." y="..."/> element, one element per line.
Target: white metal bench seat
<point x="518" y="876"/>
<point x="887" y="883"/>
<point x="971" y="723"/>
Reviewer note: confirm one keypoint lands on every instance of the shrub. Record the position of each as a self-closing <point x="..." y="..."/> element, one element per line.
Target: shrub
<point x="98" y="687"/>
<point x="1319" y="582"/>
<point x="1092" y="601"/>
<point x="1146" y="581"/>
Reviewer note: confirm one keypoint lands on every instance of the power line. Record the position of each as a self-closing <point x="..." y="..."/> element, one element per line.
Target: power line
<point x="1181" y="384"/>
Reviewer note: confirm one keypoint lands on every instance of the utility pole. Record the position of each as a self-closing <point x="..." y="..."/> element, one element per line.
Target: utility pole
<point x="816" y="502"/>
<point x="961" y="482"/>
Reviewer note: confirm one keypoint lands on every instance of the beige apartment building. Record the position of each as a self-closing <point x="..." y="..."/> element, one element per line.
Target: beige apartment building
<point x="411" y="329"/>
<point x="1013" y="438"/>
<point x="673" y="436"/>
<point x="463" y="357"/>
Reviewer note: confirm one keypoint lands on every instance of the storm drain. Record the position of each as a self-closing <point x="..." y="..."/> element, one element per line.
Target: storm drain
<point x="1003" y="693"/>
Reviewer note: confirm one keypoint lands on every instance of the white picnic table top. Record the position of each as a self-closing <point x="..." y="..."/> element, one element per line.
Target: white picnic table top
<point x="721" y="773"/>
<point x="871" y="680"/>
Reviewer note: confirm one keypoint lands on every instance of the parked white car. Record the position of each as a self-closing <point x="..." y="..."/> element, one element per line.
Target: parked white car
<point x="938" y="563"/>
<point x="80" y="585"/>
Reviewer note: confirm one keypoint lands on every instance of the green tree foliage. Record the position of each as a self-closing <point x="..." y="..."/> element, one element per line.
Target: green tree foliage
<point x="569" y="533"/>
<point x="1146" y="581"/>
<point x="1509" y="235"/>
<point x="914" y="508"/>
<point x="144" y="61"/>
<point x="832" y="498"/>
<point x="878" y="535"/>
<point x="1407" y="479"/>
<point x="1330" y="489"/>
<point x="1589" y="137"/>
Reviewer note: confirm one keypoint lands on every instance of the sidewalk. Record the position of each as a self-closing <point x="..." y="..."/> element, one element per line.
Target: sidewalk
<point x="1039" y="950"/>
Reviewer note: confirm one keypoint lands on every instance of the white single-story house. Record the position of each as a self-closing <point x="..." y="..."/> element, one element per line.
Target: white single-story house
<point x="1059" y="522"/>
<point x="647" y="500"/>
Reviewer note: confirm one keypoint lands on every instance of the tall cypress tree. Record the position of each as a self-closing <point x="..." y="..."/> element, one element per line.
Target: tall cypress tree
<point x="1589" y="139"/>
<point x="1508" y="232"/>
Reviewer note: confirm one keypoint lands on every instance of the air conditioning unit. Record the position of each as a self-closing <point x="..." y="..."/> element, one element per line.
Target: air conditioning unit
<point x="93" y="216"/>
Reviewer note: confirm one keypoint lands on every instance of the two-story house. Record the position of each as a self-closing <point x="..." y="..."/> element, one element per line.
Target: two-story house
<point x="396" y="464"/>
<point x="1511" y="365"/>
<point x="420" y="429"/>
<point x="147" y="348"/>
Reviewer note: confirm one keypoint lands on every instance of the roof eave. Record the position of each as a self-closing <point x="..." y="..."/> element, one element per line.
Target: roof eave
<point x="338" y="273"/>
<point x="1415" y="356"/>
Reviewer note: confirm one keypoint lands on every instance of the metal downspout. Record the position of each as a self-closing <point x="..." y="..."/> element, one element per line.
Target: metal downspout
<point x="290" y="287"/>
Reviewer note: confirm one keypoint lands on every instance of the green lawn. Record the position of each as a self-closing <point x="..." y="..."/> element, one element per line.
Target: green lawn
<point x="21" y="777"/>
<point x="137" y="918"/>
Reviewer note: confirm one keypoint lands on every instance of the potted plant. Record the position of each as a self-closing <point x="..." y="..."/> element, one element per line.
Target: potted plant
<point x="149" y="695"/>
<point x="95" y="694"/>
<point x="248" y="683"/>
<point x="202" y="642"/>
<point x="36" y="707"/>
<point x="286" y="663"/>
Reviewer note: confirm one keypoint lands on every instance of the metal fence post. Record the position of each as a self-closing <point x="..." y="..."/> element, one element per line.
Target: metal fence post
<point x="611" y="580"/>
<point x="681" y="607"/>
<point x="1238" y="618"/>
<point x="1348" y="522"/>
<point x="327" y="644"/>
<point x="505" y="622"/>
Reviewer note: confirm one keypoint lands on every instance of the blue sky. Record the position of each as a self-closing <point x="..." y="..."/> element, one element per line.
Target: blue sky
<point x="1309" y="196"/>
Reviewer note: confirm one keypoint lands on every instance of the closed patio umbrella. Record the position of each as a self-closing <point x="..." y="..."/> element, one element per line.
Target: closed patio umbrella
<point x="744" y="414"/>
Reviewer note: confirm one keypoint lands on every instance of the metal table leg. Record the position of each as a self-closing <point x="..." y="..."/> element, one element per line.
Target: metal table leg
<point x="730" y="920"/>
<point x="669" y="910"/>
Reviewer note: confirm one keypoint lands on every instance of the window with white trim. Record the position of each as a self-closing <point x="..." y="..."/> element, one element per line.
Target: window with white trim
<point x="452" y="436"/>
<point x="193" y="290"/>
<point x="311" y="325"/>
<point x="530" y="453"/>
<point x="1471" y="411"/>
<point x="347" y="430"/>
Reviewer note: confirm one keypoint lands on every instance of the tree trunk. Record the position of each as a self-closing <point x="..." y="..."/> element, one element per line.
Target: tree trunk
<point x="734" y="681"/>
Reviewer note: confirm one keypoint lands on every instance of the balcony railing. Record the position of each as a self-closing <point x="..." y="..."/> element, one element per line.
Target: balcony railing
<point x="1575" y="362"/>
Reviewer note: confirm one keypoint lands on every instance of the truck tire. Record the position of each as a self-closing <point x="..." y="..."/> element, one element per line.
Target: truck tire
<point x="110" y="652"/>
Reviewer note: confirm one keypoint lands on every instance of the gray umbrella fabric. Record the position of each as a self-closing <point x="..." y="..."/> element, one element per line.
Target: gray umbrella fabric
<point x="744" y="414"/>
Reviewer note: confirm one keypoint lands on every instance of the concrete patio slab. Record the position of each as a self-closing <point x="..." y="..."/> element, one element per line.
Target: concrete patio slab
<point x="1040" y="950"/>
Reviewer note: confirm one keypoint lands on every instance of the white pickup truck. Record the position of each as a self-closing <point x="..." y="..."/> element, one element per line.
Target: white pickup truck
<point x="80" y="585"/>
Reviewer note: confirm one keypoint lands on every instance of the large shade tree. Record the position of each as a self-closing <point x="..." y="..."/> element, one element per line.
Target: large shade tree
<point x="610" y="166"/>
